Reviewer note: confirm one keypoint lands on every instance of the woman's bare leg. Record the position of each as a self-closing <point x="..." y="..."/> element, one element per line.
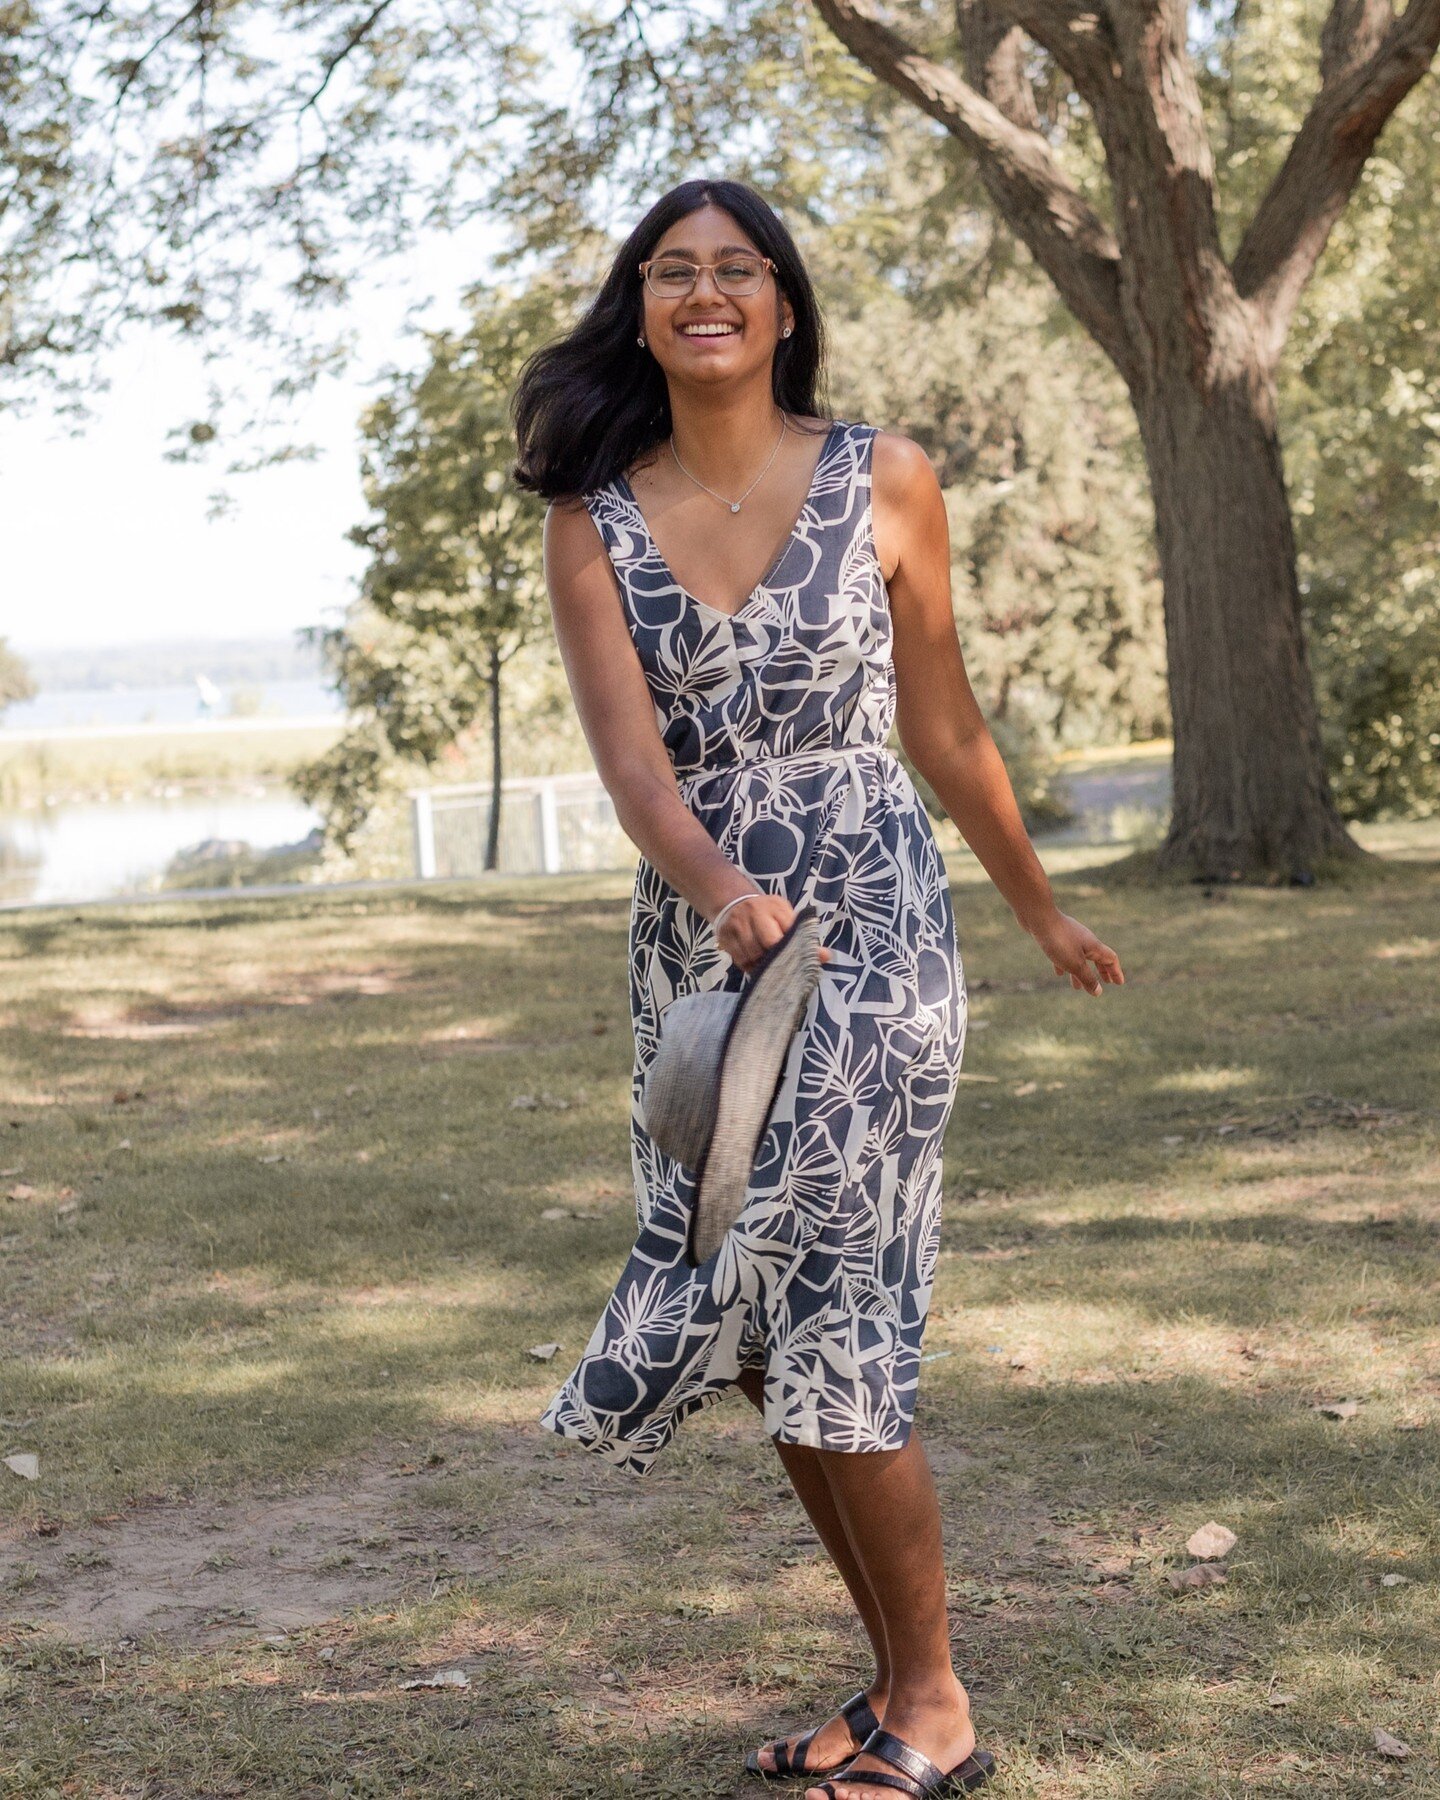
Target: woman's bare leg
<point x="834" y="1741"/>
<point x="887" y="1503"/>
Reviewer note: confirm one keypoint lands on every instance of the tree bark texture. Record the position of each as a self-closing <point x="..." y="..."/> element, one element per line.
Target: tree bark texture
<point x="1197" y="342"/>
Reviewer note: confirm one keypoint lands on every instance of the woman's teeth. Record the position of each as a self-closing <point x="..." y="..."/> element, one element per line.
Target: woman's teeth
<point x="708" y="330"/>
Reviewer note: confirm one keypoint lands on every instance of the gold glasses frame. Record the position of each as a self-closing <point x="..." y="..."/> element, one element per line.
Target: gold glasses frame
<point x="767" y="263"/>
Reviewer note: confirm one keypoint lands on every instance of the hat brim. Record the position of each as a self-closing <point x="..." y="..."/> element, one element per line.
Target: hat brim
<point x="752" y="1066"/>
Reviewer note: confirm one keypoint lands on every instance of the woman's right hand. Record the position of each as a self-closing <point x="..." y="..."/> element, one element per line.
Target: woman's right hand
<point x="748" y="930"/>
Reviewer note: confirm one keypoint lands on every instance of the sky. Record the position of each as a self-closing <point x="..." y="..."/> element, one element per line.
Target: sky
<point x="105" y="542"/>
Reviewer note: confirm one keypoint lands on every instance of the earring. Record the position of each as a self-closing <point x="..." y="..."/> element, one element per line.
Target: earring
<point x="641" y="339"/>
<point x="786" y="332"/>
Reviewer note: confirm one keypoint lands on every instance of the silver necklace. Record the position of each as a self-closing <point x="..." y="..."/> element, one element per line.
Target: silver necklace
<point x="734" y="505"/>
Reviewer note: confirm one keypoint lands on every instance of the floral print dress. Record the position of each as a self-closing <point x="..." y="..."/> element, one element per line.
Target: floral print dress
<point x="776" y="718"/>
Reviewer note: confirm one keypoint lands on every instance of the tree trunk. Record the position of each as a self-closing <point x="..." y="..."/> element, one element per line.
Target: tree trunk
<point x="1251" y="799"/>
<point x="492" y="846"/>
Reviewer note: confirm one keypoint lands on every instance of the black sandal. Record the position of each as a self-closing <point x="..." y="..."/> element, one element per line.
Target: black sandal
<point x="919" y="1777"/>
<point x="857" y="1713"/>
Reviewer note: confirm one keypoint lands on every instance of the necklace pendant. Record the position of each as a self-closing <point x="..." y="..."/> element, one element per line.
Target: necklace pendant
<point x="734" y="506"/>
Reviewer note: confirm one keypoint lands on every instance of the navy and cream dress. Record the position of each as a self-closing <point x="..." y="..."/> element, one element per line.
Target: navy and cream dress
<point x="775" y="718"/>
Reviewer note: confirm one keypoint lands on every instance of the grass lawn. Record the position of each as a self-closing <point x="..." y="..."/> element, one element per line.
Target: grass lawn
<point x="290" y="1187"/>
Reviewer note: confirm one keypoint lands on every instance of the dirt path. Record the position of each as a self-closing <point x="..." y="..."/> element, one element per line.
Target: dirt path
<point x="195" y="1572"/>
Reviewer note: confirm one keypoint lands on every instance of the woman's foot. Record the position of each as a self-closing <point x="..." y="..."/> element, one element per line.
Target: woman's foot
<point x="940" y="1730"/>
<point x="833" y="1743"/>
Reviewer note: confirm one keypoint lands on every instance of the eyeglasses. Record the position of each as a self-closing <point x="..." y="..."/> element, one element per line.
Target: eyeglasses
<point x="671" y="277"/>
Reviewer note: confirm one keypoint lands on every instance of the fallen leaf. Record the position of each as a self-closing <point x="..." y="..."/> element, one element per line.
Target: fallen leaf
<point x="1393" y="1580"/>
<point x="556" y="1212"/>
<point x="1025" y="1087"/>
<point x="1390" y="1746"/>
<point x="21" y="1192"/>
<point x="1211" y="1541"/>
<point x="1198" y="1575"/>
<point x="277" y="1156"/>
<point x="24" y="1464"/>
<point x="1339" y="1409"/>
<point x="445" y="1678"/>
<point x="124" y="1144"/>
<point x="543" y="1352"/>
<point x="1283" y="1699"/>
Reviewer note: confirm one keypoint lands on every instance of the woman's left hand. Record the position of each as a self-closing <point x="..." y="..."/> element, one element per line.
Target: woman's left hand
<point x="1073" y="948"/>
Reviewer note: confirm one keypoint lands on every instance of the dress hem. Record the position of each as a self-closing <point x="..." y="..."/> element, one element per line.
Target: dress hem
<point x="622" y="1453"/>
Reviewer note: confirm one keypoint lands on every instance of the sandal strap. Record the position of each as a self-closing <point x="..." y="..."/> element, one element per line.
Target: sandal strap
<point x="903" y="1756"/>
<point x="859" y="1715"/>
<point x="788" y="1762"/>
<point x="977" y="1767"/>
<point x="876" y="1778"/>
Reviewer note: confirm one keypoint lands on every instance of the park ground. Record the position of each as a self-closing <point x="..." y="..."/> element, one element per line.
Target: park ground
<point x="293" y="1187"/>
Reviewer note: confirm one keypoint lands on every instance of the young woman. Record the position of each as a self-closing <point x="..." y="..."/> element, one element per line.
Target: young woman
<point x="746" y="596"/>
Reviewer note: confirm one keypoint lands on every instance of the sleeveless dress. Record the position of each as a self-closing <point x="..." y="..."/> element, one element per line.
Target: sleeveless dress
<point x="775" y="719"/>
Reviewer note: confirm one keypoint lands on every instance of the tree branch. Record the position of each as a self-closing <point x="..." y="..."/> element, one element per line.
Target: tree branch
<point x="994" y="52"/>
<point x="1034" y="194"/>
<point x="1369" y="62"/>
<point x="350" y="42"/>
<point x="1075" y="32"/>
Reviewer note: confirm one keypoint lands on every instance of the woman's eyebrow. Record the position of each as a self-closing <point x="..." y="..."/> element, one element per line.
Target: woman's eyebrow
<point x="724" y="250"/>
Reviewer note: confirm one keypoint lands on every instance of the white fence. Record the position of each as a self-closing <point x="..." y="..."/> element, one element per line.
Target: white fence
<point x="549" y="825"/>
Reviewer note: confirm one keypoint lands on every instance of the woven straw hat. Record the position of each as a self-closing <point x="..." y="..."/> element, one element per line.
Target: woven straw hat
<point x="716" y="1072"/>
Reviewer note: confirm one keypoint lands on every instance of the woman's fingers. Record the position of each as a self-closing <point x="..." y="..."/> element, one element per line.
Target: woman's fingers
<point x="750" y="930"/>
<point x="1088" y="962"/>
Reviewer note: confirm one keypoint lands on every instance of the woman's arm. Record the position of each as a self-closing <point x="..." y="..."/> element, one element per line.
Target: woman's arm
<point x="939" y="720"/>
<point x="617" y="716"/>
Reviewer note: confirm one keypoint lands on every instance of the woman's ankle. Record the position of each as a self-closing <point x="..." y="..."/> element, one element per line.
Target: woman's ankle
<point x="929" y="1693"/>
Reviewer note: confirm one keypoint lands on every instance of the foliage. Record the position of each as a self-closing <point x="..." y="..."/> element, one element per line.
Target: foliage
<point x="1362" y="391"/>
<point x="16" y="681"/>
<point x="1056" y="595"/>
<point x="1378" y="668"/>
<point x="454" y="587"/>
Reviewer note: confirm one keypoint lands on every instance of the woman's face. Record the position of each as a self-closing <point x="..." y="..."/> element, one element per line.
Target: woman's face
<point x="755" y="320"/>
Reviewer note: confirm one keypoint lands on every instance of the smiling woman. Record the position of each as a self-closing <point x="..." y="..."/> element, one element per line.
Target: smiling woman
<point x="745" y="743"/>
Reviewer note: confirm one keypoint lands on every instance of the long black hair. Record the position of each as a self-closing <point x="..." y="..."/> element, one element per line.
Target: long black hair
<point x="588" y="405"/>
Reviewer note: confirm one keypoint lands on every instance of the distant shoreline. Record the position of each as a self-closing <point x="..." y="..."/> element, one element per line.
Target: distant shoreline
<point x="40" y="734"/>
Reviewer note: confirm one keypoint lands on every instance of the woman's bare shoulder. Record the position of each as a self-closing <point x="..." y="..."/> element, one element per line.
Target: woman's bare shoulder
<point x="904" y="495"/>
<point x="900" y="465"/>
<point x="570" y="536"/>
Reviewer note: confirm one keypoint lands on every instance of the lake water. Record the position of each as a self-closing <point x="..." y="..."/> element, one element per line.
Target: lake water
<point x="94" y="852"/>
<point x="175" y="705"/>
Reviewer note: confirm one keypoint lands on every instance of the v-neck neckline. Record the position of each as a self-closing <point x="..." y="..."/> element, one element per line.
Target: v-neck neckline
<point x="784" y="551"/>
